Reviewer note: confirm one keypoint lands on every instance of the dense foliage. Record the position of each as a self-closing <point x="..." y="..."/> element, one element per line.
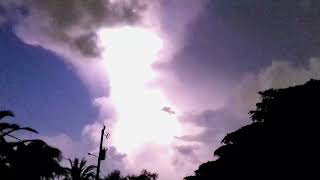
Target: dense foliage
<point x="281" y="142"/>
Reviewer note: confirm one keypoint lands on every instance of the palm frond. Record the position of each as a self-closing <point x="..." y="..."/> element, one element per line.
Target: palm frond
<point x="6" y="113"/>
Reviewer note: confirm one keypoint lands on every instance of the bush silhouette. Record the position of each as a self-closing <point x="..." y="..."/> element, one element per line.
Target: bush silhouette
<point x="280" y="143"/>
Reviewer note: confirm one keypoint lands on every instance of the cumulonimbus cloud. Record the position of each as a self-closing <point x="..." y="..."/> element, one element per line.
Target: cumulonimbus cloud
<point x="69" y="29"/>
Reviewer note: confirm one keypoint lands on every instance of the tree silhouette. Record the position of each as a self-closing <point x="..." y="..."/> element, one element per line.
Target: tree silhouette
<point x="79" y="170"/>
<point x="144" y="175"/>
<point x="114" y="175"/>
<point x="280" y="143"/>
<point x="25" y="159"/>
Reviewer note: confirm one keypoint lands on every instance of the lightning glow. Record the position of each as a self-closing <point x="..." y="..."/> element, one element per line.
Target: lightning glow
<point x="129" y="53"/>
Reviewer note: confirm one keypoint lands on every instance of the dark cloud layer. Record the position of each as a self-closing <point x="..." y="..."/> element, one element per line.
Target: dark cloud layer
<point x="231" y="37"/>
<point x="71" y="23"/>
<point x="188" y="153"/>
<point x="215" y="124"/>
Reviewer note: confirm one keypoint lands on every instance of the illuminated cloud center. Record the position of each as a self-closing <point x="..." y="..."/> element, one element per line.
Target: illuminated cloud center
<point x="129" y="54"/>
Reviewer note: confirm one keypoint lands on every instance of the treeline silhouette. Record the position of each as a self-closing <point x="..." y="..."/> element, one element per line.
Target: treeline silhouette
<point x="280" y="143"/>
<point x="34" y="159"/>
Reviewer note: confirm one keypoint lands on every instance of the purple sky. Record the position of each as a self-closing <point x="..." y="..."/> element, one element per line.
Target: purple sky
<point x="218" y="54"/>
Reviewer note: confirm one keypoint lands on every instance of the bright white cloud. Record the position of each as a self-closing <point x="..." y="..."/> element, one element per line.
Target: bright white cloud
<point x="129" y="55"/>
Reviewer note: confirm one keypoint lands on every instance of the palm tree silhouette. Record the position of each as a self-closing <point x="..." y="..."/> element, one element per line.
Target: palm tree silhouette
<point x="35" y="159"/>
<point x="6" y="129"/>
<point x="79" y="170"/>
<point x="26" y="159"/>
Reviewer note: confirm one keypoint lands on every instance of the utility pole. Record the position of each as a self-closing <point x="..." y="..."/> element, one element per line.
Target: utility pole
<point x="102" y="153"/>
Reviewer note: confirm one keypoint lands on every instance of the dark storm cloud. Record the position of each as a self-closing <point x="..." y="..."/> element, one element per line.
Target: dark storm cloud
<point x="232" y="37"/>
<point x="242" y="40"/>
<point x="215" y="124"/>
<point x="2" y="19"/>
<point x="86" y="44"/>
<point x="187" y="152"/>
<point x="70" y="23"/>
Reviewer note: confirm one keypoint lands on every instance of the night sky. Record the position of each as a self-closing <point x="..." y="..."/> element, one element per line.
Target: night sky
<point x="65" y="73"/>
